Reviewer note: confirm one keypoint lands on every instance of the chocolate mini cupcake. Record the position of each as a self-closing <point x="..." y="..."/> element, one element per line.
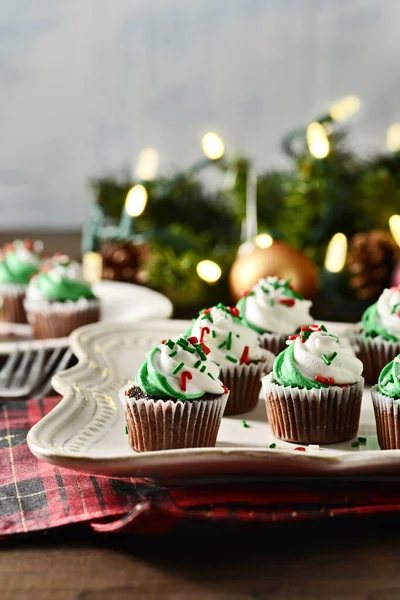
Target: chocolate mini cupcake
<point x="379" y="341"/>
<point x="313" y="395"/>
<point x="19" y="261"/>
<point x="274" y="310"/>
<point x="236" y="349"/>
<point x="386" y="401"/>
<point x="58" y="299"/>
<point x="177" y="400"/>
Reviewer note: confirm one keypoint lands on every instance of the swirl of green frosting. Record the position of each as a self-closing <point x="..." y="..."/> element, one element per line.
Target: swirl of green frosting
<point x="14" y="269"/>
<point x="389" y="379"/>
<point x="286" y="372"/>
<point x="60" y="281"/>
<point x="372" y="327"/>
<point x="179" y="369"/>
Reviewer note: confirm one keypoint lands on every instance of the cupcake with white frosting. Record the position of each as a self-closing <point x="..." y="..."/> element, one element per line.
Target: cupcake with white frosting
<point x="19" y="261"/>
<point x="313" y="395"/>
<point x="177" y="399"/>
<point x="379" y="340"/>
<point x="59" y="300"/>
<point x="237" y="351"/>
<point x="274" y="310"/>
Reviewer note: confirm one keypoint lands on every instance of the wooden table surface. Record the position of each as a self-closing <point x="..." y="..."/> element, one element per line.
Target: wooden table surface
<point x="353" y="559"/>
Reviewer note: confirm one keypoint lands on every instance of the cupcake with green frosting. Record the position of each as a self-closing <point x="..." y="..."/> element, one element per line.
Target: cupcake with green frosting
<point x="313" y="395"/>
<point x="59" y="300"/>
<point x="379" y="341"/>
<point x="274" y="310"/>
<point x="19" y="261"/>
<point x="237" y="351"/>
<point x="386" y="400"/>
<point x="177" y="399"/>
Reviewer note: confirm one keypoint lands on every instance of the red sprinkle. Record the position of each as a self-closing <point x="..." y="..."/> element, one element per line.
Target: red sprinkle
<point x="206" y="311"/>
<point x="286" y="301"/>
<point x="245" y="293"/>
<point x="203" y="331"/>
<point x="293" y="337"/>
<point x="315" y="327"/>
<point x="184" y="376"/>
<point x="205" y="348"/>
<point x="328" y="380"/>
<point x="225" y="389"/>
<point x="193" y="340"/>
<point x="28" y="244"/>
<point x="234" y="311"/>
<point x="244" y="359"/>
<point x="163" y="341"/>
<point x="305" y="328"/>
<point x="300" y="449"/>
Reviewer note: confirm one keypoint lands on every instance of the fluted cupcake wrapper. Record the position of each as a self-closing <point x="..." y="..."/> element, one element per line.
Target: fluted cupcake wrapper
<point x="274" y="342"/>
<point x="12" y="303"/>
<point x="318" y="416"/>
<point x="375" y="353"/>
<point x="60" y="319"/>
<point x="167" y="424"/>
<point x="387" y="417"/>
<point x="244" y="384"/>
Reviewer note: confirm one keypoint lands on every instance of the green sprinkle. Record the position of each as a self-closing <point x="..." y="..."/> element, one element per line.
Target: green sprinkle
<point x="272" y="446"/>
<point x="231" y="358"/>
<point x="208" y="317"/>
<point x="126" y="429"/>
<point x="326" y="359"/>
<point x="265" y="290"/>
<point x="222" y="344"/>
<point x="191" y="350"/>
<point x="201" y="352"/>
<point x="329" y="359"/>
<point x="229" y="341"/>
<point x="362" y="440"/>
<point x="271" y="302"/>
<point x="178" y="368"/>
<point x="203" y="368"/>
<point x="212" y="376"/>
<point x="355" y="444"/>
<point x="170" y="344"/>
<point x="182" y="343"/>
<point x="174" y="353"/>
<point x="213" y="334"/>
<point x="244" y="424"/>
<point x="324" y="328"/>
<point x="197" y="364"/>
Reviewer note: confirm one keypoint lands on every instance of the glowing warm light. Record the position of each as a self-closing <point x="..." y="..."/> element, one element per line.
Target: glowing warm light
<point x="92" y="266"/>
<point x="209" y="271"/>
<point x="394" y="225"/>
<point x="213" y="146"/>
<point x="147" y="164"/>
<point x="345" y="108"/>
<point x="336" y="253"/>
<point x="317" y="140"/>
<point x="393" y="137"/>
<point x="136" y="200"/>
<point x="263" y="240"/>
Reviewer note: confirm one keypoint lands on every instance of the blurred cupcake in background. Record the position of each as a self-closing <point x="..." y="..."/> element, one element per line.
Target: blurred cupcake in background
<point x="236" y="349"/>
<point x="274" y="310"/>
<point x="19" y="261"/>
<point x="379" y="340"/>
<point x="313" y="395"/>
<point x="58" y="299"/>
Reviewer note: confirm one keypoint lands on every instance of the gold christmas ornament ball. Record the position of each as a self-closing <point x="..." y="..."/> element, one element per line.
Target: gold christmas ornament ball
<point x="279" y="259"/>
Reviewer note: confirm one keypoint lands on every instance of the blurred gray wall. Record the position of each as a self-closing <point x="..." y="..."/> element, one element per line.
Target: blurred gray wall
<point x="85" y="84"/>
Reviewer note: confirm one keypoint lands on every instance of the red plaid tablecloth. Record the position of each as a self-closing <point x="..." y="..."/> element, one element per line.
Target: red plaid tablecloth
<point x="36" y="496"/>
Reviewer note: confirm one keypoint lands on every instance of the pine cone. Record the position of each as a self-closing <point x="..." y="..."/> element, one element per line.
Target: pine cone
<point x="371" y="259"/>
<point x="122" y="261"/>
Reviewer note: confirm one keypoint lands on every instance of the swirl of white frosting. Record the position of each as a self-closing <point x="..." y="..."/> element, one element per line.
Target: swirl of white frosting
<point x="344" y="366"/>
<point x="228" y="336"/>
<point x="171" y="361"/>
<point x="264" y="308"/>
<point x="388" y="310"/>
<point x="61" y="268"/>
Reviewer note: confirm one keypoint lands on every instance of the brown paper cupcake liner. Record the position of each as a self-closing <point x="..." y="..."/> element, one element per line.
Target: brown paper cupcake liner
<point x="320" y="416"/>
<point x="244" y="384"/>
<point x="168" y="424"/>
<point x="12" y="306"/>
<point x="387" y="417"/>
<point x="60" y="321"/>
<point x="274" y="342"/>
<point x="375" y="353"/>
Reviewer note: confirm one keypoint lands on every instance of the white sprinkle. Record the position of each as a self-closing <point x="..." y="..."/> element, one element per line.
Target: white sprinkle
<point x="312" y="447"/>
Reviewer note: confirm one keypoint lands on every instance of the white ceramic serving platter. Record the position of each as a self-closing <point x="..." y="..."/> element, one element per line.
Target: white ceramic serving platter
<point x="119" y="302"/>
<point x="86" y="431"/>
